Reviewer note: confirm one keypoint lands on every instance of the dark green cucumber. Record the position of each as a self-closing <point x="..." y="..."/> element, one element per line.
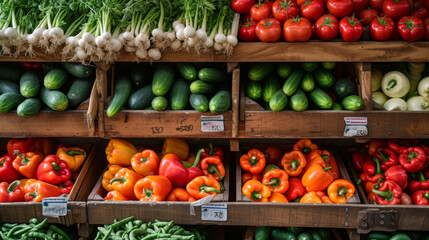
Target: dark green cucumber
<point x="295" y="230"/>
<point x="307" y="83"/>
<point x="79" y="91"/>
<point x="325" y="233"/>
<point x="309" y="66"/>
<point x="271" y="85"/>
<point x="199" y="102"/>
<point x="336" y="107"/>
<point x="78" y="70"/>
<point x="299" y="101"/>
<point x="352" y="102"/>
<point x="212" y="75"/>
<point x="120" y="96"/>
<point x="220" y="102"/>
<point x="328" y="65"/>
<point x="54" y="99"/>
<point x="324" y="78"/>
<point x="304" y="236"/>
<point x="278" y="101"/>
<point x="280" y="234"/>
<point x="10" y="71"/>
<point x="260" y="71"/>
<point x="141" y="99"/>
<point x="201" y="87"/>
<point x="262" y="233"/>
<point x="254" y="90"/>
<point x="9" y="101"/>
<point x="140" y="75"/>
<point x="315" y="235"/>
<point x="159" y="103"/>
<point x="284" y="69"/>
<point x="292" y="83"/>
<point x="321" y="98"/>
<point x="400" y="236"/>
<point x="29" y="85"/>
<point x="343" y="88"/>
<point x="29" y="107"/>
<point x="163" y="79"/>
<point x="187" y="70"/>
<point x="55" y="79"/>
<point x="179" y="95"/>
<point x="8" y="86"/>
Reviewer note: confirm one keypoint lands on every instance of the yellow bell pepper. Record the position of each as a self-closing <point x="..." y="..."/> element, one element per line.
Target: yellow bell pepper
<point x="74" y="156"/>
<point x="109" y="174"/>
<point x="177" y="147"/>
<point x="120" y="152"/>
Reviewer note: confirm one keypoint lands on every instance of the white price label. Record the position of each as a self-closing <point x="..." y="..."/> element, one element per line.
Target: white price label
<point x="212" y="123"/>
<point x="356" y="127"/>
<point x="214" y="212"/>
<point x="54" y="206"/>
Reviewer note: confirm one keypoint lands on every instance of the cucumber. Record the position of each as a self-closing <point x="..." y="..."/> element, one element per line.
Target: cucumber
<point x="220" y="102"/>
<point x="400" y="236"/>
<point x="159" y="103"/>
<point x="199" y="102"/>
<point x="79" y="91"/>
<point x="29" y="85"/>
<point x="141" y="99"/>
<point x="120" y="96"/>
<point x="163" y="79"/>
<point x="299" y="101"/>
<point x="325" y="233"/>
<point x="284" y="69"/>
<point x="140" y="75"/>
<point x="10" y="71"/>
<point x="149" y="108"/>
<point x="279" y="234"/>
<point x="55" y="79"/>
<point x="179" y="95"/>
<point x="315" y="235"/>
<point x="254" y="90"/>
<point x="378" y="236"/>
<point x="260" y="71"/>
<point x="9" y="101"/>
<point x="187" y="70"/>
<point x="305" y="236"/>
<point x="271" y="85"/>
<point x="307" y="83"/>
<point x="343" y="88"/>
<point x="336" y="107"/>
<point x="292" y="83"/>
<point x="352" y="102"/>
<point x="321" y="98"/>
<point x="278" y="101"/>
<point x="78" y="70"/>
<point x="29" y="107"/>
<point x="212" y="75"/>
<point x="201" y="87"/>
<point x="309" y="66"/>
<point x="328" y="65"/>
<point x="8" y="86"/>
<point x="324" y="78"/>
<point x="54" y="99"/>
<point x="262" y="233"/>
<point x="295" y="230"/>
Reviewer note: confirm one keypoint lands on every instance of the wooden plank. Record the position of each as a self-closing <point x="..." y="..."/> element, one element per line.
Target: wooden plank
<point x="235" y="102"/>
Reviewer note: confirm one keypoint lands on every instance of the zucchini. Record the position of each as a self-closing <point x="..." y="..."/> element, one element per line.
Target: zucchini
<point x="284" y="69"/>
<point x="271" y="85"/>
<point x="55" y="79"/>
<point x="29" y="85"/>
<point x="179" y="95"/>
<point x="262" y="233"/>
<point x="141" y="99"/>
<point x="292" y="83"/>
<point x="163" y="79"/>
<point x="305" y="236"/>
<point x="187" y="70"/>
<point x="343" y="88"/>
<point x="254" y="90"/>
<point x="278" y="101"/>
<point x="78" y="70"/>
<point x="201" y="87"/>
<point x="29" y="107"/>
<point x="212" y="75"/>
<point x="140" y="75"/>
<point x="352" y="102"/>
<point x="9" y="101"/>
<point x="159" y="103"/>
<point x="10" y="71"/>
<point x="321" y="98"/>
<point x="120" y="96"/>
<point x="280" y="234"/>
<point x="307" y="83"/>
<point x="309" y="66"/>
<point x="260" y="71"/>
<point x="324" y="78"/>
<point x="199" y="102"/>
<point x="79" y="91"/>
<point x="299" y="101"/>
<point x="8" y="86"/>
<point x="336" y="107"/>
<point x="54" y="99"/>
<point x="220" y="102"/>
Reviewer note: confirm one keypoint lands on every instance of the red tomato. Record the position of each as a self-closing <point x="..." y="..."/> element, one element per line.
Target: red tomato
<point x="351" y="29"/>
<point x="381" y="28"/>
<point x="284" y="9"/>
<point x="313" y="31"/>
<point x="297" y="30"/>
<point x="359" y="5"/>
<point x="269" y="30"/>
<point x="247" y="18"/>
<point x="376" y="4"/>
<point x="260" y="11"/>
<point x="411" y="28"/>
<point x="421" y="13"/>
<point x="312" y="9"/>
<point x="247" y="32"/>
<point x="426" y="29"/>
<point x="340" y="8"/>
<point x="242" y="6"/>
<point x="367" y="16"/>
<point x="327" y="27"/>
<point x="395" y="35"/>
<point x="396" y="8"/>
<point x="300" y="2"/>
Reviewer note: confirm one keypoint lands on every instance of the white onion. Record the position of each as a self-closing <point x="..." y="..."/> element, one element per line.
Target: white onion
<point x="180" y="35"/>
<point x="208" y="42"/>
<point x="56" y="32"/>
<point x="146" y="45"/>
<point x="88" y="37"/>
<point x="11" y="32"/>
<point x="2" y="35"/>
<point x="176" y="45"/>
<point x="45" y="33"/>
<point x="395" y="104"/>
<point x="142" y="37"/>
<point x="141" y="53"/>
<point x="218" y="46"/>
<point x="106" y="35"/>
<point x="81" y="54"/>
<point x="175" y="23"/>
<point x="128" y="36"/>
<point x="379" y="97"/>
<point x="178" y="27"/>
<point x="220" y="38"/>
<point x="99" y="41"/>
<point x="171" y="36"/>
<point x="154" y="54"/>
<point x="32" y="39"/>
<point x="121" y="38"/>
<point x="232" y="40"/>
<point x="417" y="103"/>
<point x="201" y="34"/>
<point x="116" y="44"/>
<point x="191" y="42"/>
<point x="38" y="32"/>
<point x="157" y="33"/>
<point x="82" y="43"/>
<point x="130" y="49"/>
<point x="189" y="31"/>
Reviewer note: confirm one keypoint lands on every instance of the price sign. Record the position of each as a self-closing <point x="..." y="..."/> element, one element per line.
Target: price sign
<point x="54" y="206"/>
<point x="214" y="212"/>
<point x="212" y="123"/>
<point x="356" y="127"/>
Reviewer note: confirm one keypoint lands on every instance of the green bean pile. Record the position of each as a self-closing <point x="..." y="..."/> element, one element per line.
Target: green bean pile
<point x="33" y="230"/>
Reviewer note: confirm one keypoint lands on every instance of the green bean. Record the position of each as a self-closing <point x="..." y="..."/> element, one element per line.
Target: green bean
<point x="98" y="236"/>
<point x="59" y="231"/>
<point x="128" y="225"/>
<point x="196" y="232"/>
<point x="150" y="230"/>
<point x="168" y="226"/>
<point x="40" y="235"/>
<point x="107" y="236"/>
<point x="179" y="232"/>
<point x="103" y="230"/>
<point x="156" y="228"/>
<point x="34" y="221"/>
<point x="4" y="237"/>
<point x="10" y="225"/>
<point x="137" y="223"/>
<point x="180" y="237"/>
<point x="160" y="224"/>
<point x="151" y="236"/>
<point x="122" y="222"/>
<point x="136" y="232"/>
<point x="162" y="230"/>
<point x="173" y="229"/>
<point x="41" y="225"/>
<point x="18" y="228"/>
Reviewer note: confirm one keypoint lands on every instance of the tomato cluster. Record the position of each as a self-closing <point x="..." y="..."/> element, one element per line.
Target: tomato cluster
<point x="301" y="20"/>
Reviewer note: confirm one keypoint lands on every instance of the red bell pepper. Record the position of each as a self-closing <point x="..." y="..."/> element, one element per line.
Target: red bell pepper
<point x="421" y="184"/>
<point x="66" y="186"/>
<point x="387" y="158"/>
<point x="210" y="151"/>
<point x="389" y="193"/>
<point x="421" y="197"/>
<point x="11" y="192"/>
<point x="374" y="145"/>
<point x="17" y="145"/>
<point x="398" y="146"/>
<point x="296" y="190"/>
<point x="413" y="159"/>
<point x="53" y="170"/>
<point x="371" y="171"/>
<point x="358" y="159"/>
<point x="398" y="175"/>
<point x="7" y="172"/>
<point x="172" y="168"/>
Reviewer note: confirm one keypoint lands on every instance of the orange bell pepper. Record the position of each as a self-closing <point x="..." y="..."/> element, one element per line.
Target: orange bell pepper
<point x="341" y="190"/>
<point x="180" y="194"/>
<point x="35" y="191"/>
<point x="177" y="147"/>
<point x="152" y="188"/>
<point x="120" y="152"/>
<point x="256" y="191"/>
<point x="254" y="161"/>
<point x="277" y="197"/>
<point x="43" y="146"/>
<point x="277" y="180"/>
<point x="273" y="154"/>
<point x="23" y="182"/>
<point x="374" y="145"/>
<point x="74" y="156"/>
<point x="245" y="177"/>
<point x="305" y="146"/>
<point x="203" y="186"/>
<point x="145" y="163"/>
<point x="115" y="196"/>
<point x="26" y="164"/>
<point x="124" y="182"/>
<point x="212" y="166"/>
<point x="310" y="197"/>
<point x="317" y="178"/>
<point x="294" y="162"/>
<point x="323" y="197"/>
<point x="109" y="175"/>
<point x="324" y="158"/>
<point x="372" y="185"/>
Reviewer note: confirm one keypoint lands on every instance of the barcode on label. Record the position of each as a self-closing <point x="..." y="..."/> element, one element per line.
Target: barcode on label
<point x="212" y="123"/>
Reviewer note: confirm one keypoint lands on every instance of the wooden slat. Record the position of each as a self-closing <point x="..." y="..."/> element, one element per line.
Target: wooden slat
<point x="235" y="102"/>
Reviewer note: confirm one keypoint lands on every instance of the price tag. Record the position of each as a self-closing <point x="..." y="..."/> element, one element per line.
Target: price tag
<point x="212" y="123"/>
<point x="356" y="127"/>
<point x="214" y="212"/>
<point x="54" y="206"/>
